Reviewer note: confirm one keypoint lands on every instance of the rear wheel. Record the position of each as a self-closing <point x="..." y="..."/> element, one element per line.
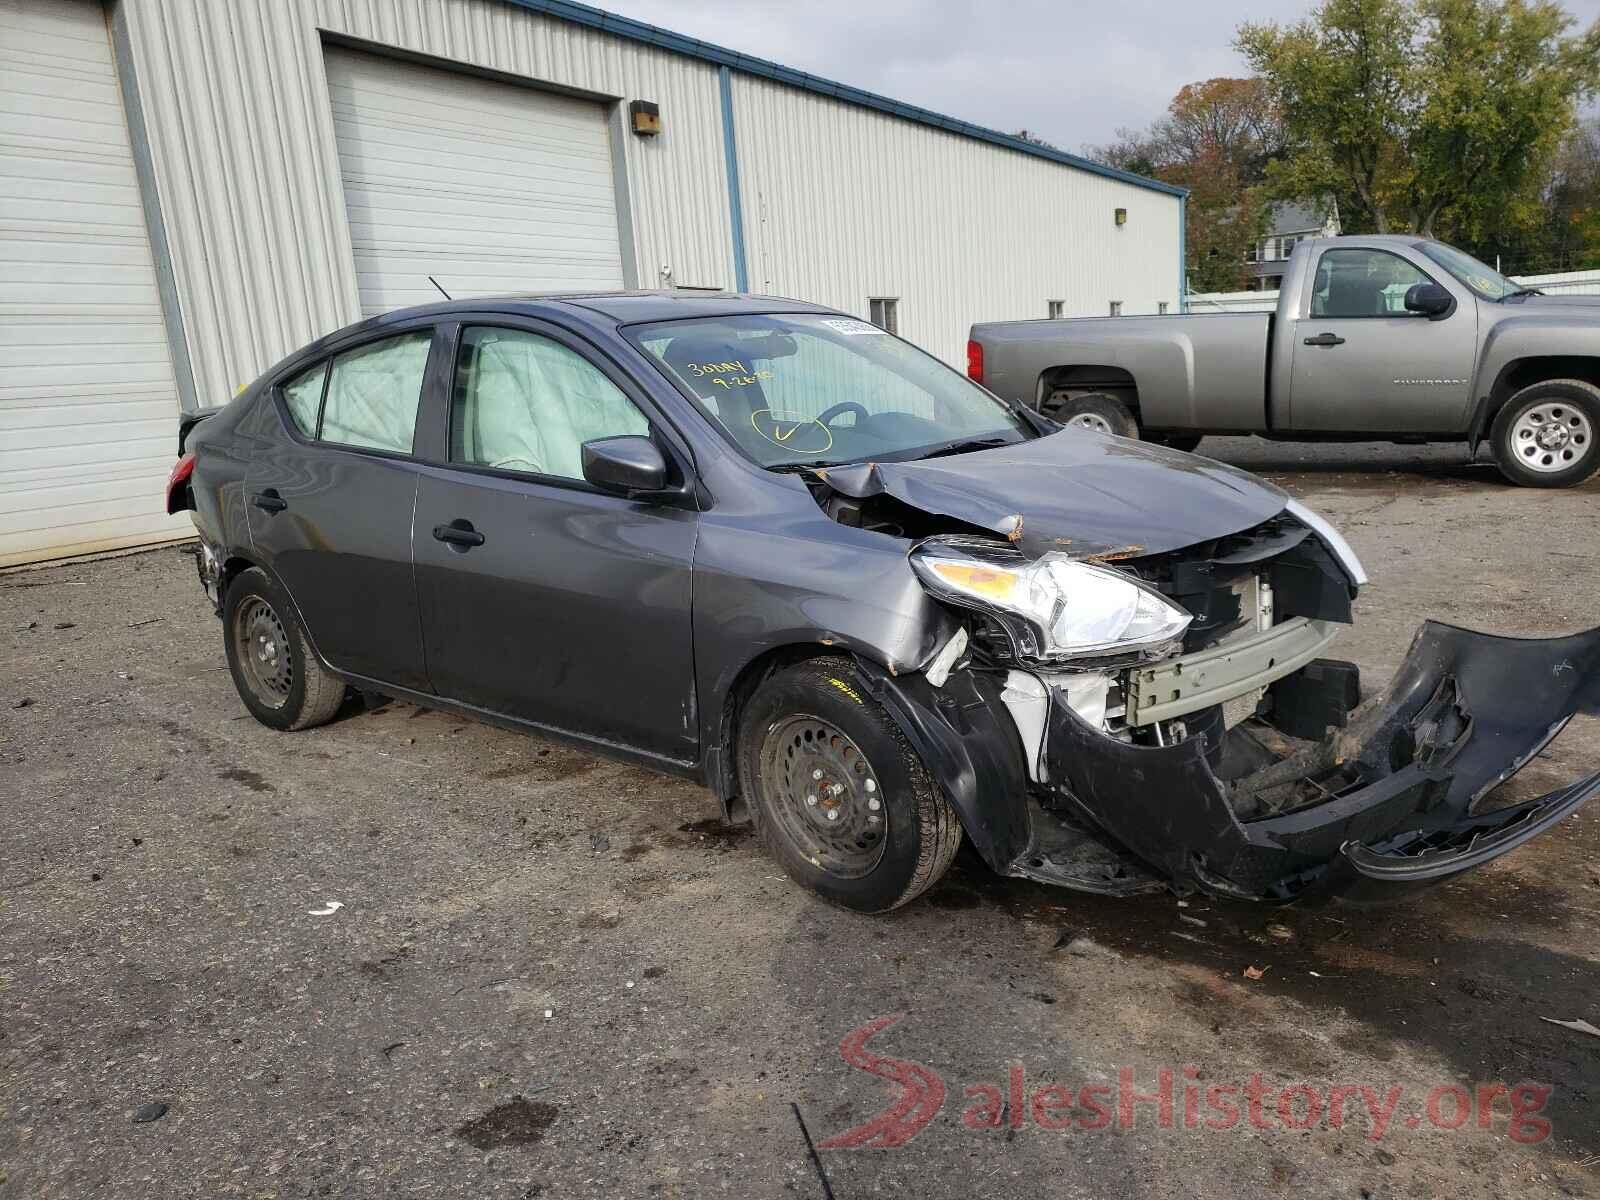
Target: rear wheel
<point x="1545" y="435"/>
<point x="840" y="798"/>
<point x="1099" y="411"/>
<point x="273" y="667"/>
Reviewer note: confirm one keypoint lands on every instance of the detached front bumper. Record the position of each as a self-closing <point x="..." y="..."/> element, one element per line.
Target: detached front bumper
<point x="1390" y="804"/>
<point x="1392" y="795"/>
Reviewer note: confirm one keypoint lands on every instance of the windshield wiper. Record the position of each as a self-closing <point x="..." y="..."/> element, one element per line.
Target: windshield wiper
<point x="790" y="468"/>
<point x="1522" y="292"/>
<point x="966" y="446"/>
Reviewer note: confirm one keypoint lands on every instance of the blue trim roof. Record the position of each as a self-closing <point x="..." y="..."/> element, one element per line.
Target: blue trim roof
<point x="665" y="39"/>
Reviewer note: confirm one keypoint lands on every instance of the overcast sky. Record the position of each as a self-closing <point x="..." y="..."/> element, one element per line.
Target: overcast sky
<point x="1072" y="73"/>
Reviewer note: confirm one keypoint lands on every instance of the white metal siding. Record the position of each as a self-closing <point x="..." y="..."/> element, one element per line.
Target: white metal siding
<point x="489" y="187"/>
<point x="841" y="204"/>
<point x="236" y="103"/>
<point x="88" y="407"/>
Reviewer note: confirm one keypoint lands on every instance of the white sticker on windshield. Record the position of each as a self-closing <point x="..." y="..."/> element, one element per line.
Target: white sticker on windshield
<point x="850" y="327"/>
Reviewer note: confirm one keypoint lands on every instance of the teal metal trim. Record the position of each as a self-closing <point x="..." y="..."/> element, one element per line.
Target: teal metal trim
<point x="1183" y="253"/>
<point x="730" y="153"/>
<point x="665" y="39"/>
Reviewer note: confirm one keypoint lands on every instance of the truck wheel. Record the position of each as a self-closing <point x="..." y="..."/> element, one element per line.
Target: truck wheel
<point x="1098" y="411"/>
<point x="840" y="798"/>
<point x="273" y="666"/>
<point x="1544" y="436"/>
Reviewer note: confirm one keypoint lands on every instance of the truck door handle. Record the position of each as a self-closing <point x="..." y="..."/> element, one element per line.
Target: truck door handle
<point x="1325" y="339"/>
<point x="458" y="535"/>
<point x="269" y="501"/>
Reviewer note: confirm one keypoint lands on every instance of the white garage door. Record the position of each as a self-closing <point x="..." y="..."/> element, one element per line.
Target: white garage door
<point x="488" y="187"/>
<point x="88" y="408"/>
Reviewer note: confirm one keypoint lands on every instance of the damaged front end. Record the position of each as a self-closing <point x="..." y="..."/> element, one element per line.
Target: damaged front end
<point x="1230" y="757"/>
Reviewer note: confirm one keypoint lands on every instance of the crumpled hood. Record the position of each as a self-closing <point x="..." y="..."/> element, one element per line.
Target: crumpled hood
<point x="1077" y="491"/>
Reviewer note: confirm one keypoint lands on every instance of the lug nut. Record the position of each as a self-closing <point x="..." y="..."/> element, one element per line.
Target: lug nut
<point x="872" y="785"/>
<point x="811" y="800"/>
<point x="874" y="805"/>
<point x="833" y="814"/>
<point x="817" y="773"/>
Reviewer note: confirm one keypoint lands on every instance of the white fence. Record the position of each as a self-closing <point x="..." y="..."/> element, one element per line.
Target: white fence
<point x="1570" y="283"/>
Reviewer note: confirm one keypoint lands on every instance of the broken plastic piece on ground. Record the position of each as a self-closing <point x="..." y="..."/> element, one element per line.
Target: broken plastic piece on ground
<point x="330" y="907"/>
<point x="1254" y="972"/>
<point x="1579" y="1025"/>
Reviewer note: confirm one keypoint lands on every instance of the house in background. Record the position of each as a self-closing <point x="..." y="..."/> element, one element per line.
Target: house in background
<point x="1288" y="223"/>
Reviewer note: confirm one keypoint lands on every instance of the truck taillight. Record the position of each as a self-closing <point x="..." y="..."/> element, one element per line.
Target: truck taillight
<point x="975" y="361"/>
<point x="178" y="481"/>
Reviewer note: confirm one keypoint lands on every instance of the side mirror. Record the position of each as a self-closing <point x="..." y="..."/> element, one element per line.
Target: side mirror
<point x="626" y="465"/>
<point x="1429" y="299"/>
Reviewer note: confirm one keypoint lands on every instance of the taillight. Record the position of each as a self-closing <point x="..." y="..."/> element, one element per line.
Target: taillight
<point x="975" y="361"/>
<point x="178" y="482"/>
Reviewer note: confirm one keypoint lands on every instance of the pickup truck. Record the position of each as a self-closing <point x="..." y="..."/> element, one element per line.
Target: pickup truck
<point x="1384" y="338"/>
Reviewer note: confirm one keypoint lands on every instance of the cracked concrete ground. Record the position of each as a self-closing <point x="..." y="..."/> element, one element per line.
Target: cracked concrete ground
<point x="522" y="920"/>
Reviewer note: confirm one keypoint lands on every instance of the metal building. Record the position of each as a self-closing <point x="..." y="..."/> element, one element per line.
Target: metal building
<point x="190" y="189"/>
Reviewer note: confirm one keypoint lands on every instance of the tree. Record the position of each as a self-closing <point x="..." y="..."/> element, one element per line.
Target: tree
<point x="1426" y="115"/>
<point x="1215" y="139"/>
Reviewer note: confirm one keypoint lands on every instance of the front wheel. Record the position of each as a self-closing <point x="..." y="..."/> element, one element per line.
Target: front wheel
<point x="840" y="798"/>
<point x="1544" y="436"/>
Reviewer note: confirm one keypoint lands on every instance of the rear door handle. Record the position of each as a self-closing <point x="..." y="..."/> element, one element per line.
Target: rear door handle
<point x="459" y="535"/>
<point x="269" y="501"/>
<point x="1325" y="339"/>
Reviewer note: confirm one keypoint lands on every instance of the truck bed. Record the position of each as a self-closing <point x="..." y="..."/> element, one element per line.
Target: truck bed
<point x="1200" y="370"/>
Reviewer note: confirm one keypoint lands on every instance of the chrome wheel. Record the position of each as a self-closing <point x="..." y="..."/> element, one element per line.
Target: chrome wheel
<point x="1551" y="435"/>
<point x="262" y="645"/>
<point x="1094" y="421"/>
<point x="825" y="796"/>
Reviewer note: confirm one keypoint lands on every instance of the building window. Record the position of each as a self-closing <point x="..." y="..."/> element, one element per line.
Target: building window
<point x="1161" y="308"/>
<point x="1056" y="308"/>
<point x="1116" y="308"/>
<point x="885" y="312"/>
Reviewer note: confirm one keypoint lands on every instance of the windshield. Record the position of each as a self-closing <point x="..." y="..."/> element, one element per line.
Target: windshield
<point x="1480" y="277"/>
<point x="795" y="390"/>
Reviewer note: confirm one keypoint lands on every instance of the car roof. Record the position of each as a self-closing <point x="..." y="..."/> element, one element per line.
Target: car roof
<point x="625" y="308"/>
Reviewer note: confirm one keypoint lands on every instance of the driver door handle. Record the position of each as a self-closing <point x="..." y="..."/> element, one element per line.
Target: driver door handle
<point x="1325" y="339"/>
<point x="458" y="534"/>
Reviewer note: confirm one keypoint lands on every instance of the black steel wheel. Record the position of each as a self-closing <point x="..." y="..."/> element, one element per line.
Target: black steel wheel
<point x="825" y="795"/>
<point x="839" y="796"/>
<point x="277" y="674"/>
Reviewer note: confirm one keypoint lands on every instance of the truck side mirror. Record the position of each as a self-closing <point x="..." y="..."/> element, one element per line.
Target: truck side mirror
<point x="1430" y="300"/>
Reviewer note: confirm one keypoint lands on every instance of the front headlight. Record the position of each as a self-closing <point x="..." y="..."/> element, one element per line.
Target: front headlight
<point x="1053" y="607"/>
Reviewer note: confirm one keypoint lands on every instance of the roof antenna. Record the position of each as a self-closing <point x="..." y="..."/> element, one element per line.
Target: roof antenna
<point x="442" y="292"/>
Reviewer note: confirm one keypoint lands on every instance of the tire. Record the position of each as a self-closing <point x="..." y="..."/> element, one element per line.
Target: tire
<point x="1098" y="411"/>
<point x="276" y="673"/>
<point x="1548" y="434"/>
<point x="1179" y="441"/>
<point x="794" y="726"/>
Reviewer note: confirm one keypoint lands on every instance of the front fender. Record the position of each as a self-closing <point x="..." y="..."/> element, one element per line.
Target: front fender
<point x="968" y="741"/>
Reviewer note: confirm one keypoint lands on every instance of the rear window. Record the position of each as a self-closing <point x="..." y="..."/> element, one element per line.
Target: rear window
<point x="303" y="397"/>
<point x="373" y="394"/>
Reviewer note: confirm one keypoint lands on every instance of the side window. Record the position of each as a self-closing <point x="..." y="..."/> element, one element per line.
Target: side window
<point x="303" y="396"/>
<point x="1362" y="283"/>
<point x="374" y="391"/>
<point x="522" y="402"/>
